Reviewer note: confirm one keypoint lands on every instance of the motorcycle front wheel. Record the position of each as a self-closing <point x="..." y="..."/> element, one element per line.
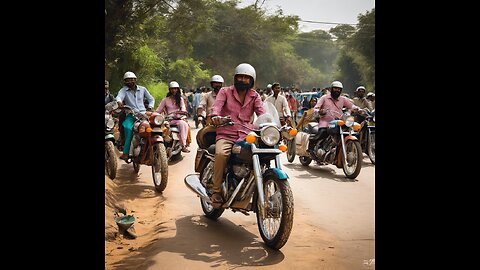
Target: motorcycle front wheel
<point x="159" y="167"/>
<point x="291" y="150"/>
<point x="110" y="160"/>
<point x="371" y="146"/>
<point x="354" y="159"/>
<point x="275" y="226"/>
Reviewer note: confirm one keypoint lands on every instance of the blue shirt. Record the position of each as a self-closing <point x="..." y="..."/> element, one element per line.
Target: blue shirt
<point x="196" y="100"/>
<point x="135" y="100"/>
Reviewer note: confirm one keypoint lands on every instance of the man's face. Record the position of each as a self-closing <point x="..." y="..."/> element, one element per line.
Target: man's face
<point x="276" y="89"/>
<point x="130" y="82"/>
<point x="216" y="86"/>
<point x="361" y="93"/>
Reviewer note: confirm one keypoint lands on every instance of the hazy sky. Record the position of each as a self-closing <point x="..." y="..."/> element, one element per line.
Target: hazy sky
<point x="331" y="11"/>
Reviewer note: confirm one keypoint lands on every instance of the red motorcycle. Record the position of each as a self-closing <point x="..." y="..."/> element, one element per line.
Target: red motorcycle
<point x="147" y="146"/>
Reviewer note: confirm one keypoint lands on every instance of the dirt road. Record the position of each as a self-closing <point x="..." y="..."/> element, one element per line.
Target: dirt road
<point x="334" y="223"/>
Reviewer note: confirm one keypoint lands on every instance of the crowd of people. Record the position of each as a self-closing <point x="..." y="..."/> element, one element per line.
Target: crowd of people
<point x="239" y="101"/>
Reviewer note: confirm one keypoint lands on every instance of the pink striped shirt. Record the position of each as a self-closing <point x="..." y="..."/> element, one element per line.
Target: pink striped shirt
<point x="227" y="103"/>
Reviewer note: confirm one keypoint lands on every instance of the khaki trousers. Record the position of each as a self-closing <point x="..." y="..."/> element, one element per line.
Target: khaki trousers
<point x="223" y="149"/>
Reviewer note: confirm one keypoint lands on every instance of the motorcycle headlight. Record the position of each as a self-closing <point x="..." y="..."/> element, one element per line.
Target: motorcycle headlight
<point x="158" y="120"/>
<point x="349" y="121"/>
<point x="270" y="135"/>
<point x="110" y="123"/>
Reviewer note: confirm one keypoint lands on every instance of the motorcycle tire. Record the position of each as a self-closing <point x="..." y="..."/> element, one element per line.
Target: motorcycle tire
<point x="291" y="150"/>
<point x="110" y="160"/>
<point x="275" y="234"/>
<point x="354" y="158"/>
<point x="371" y="147"/>
<point x="305" y="161"/>
<point x="159" y="167"/>
<point x="136" y="166"/>
<point x="208" y="210"/>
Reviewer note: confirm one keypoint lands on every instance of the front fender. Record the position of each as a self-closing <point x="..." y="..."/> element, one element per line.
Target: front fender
<point x="157" y="138"/>
<point x="277" y="172"/>
<point x="350" y="137"/>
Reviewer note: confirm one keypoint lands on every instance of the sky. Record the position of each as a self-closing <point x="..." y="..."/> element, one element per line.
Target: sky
<point x="325" y="11"/>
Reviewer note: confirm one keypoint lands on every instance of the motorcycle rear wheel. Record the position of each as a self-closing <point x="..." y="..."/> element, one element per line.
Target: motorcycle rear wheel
<point x="159" y="167"/>
<point x="110" y="160"/>
<point x="305" y="161"/>
<point x="355" y="157"/>
<point x="276" y="225"/>
<point x="207" y="208"/>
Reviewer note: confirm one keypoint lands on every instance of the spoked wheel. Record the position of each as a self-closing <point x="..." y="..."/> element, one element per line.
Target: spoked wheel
<point x="159" y="167"/>
<point x="305" y="161"/>
<point x="371" y="146"/>
<point x="354" y="159"/>
<point x="275" y="224"/>
<point x="206" y="171"/>
<point x="291" y="150"/>
<point x="110" y="160"/>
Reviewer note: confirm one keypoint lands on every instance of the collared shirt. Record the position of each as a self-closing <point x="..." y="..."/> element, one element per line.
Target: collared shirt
<point x="135" y="99"/>
<point x="207" y="101"/>
<point x="280" y="104"/>
<point x="227" y="103"/>
<point x="335" y="105"/>
<point x="362" y="103"/>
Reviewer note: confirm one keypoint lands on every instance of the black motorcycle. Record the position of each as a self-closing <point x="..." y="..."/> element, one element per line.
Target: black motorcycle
<point x="251" y="183"/>
<point x="341" y="147"/>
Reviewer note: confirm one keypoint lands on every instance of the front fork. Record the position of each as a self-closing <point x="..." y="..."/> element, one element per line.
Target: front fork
<point x="259" y="180"/>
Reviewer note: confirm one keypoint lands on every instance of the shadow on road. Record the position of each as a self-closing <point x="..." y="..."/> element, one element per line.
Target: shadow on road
<point x="128" y="186"/>
<point x="313" y="171"/>
<point x="200" y="239"/>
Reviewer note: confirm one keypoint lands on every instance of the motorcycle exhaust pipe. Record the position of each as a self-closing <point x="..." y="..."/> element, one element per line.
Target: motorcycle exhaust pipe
<point x="193" y="183"/>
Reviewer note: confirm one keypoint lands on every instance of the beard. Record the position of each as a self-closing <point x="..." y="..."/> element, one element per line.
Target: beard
<point x="241" y="86"/>
<point x="130" y="85"/>
<point x="335" y="94"/>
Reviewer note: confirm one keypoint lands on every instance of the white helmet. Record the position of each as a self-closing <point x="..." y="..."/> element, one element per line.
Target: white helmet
<point x="269" y="86"/>
<point x="361" y="87"/>
<point x="337" y="84"/>
<point x="370" y="94"/>
<point x="217" y="78"/>
<point x="173" y="84"/>
<point x="246" y="69"/>
<point x="129" y="75"/>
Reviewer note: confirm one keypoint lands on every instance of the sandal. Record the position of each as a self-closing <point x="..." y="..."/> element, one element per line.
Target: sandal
<point x="184" y="149"/>
<point x="216" y="198"/>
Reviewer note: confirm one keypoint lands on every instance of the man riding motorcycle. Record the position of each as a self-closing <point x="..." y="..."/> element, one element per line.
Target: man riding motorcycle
<point x="239" y="101"/>
<point x="330" y="102"/>
<point x="132" y="95"/>
<point x="208" y="99"/>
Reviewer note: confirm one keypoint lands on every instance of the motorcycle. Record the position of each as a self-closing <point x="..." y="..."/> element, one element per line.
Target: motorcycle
<point x="366" y="135"/>
<point x="340" y="148"/>
<point x="250" y="184"/>
<point x="200" y="119"/>
<point x="171" y="134"/>
<point x="110" y="156"/>
<point x="147" y="146"/>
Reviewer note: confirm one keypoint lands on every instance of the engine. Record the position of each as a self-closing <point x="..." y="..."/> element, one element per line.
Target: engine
<point x="240" y="171"/>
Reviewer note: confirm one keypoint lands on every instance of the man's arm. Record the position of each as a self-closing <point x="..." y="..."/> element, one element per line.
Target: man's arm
<point x="150" y="99"/>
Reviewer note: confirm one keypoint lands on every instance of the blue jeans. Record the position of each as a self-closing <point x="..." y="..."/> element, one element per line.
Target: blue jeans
<point x="128" y="131"/>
